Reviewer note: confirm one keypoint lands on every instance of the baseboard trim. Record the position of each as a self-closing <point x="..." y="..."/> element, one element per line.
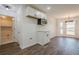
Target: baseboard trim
<point x="53" y="37"/>
<point x="31" y="46"/>
<point x="68" y="37"/>
<point x="46" y="44"/>
<point x="10" y="43"/>
<point x="7" y="42"/>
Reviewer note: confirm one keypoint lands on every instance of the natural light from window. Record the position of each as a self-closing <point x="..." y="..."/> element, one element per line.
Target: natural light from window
<point x="70" y="27"/>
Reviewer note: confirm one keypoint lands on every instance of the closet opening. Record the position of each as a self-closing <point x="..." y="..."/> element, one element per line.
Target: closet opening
<point x="6" y="29"/>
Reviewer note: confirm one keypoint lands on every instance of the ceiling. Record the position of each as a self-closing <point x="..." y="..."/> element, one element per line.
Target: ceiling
<point x="10" y="7"/>
<point x="59" y="10"/>
<point x="56" y="10"/>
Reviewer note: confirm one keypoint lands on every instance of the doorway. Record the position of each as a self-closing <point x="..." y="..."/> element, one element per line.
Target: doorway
<point x="6" y="29"/>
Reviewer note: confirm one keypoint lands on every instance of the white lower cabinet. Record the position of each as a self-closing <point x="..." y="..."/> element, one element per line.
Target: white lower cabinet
<point x="43" y="37"/>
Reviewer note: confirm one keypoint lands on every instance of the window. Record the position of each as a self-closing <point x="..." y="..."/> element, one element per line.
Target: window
<point x="70" y="27"/>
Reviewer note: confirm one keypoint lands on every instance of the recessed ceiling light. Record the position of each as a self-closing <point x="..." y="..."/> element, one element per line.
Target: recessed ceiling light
<point x="48" y="8"/>
<point x="7" y="8"/>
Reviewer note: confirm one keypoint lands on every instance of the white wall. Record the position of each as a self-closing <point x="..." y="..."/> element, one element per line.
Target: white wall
<point x="58" y="27"/>
<point x="77" y="26"/>
<point x="52" y="26"/>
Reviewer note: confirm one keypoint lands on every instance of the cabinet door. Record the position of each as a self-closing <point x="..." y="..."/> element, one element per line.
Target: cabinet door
<point x="31" y="11"/>
<point x="46" y="37"/>
<point x="6" y="35"/>
<point x="43" y="38"/>
<point x="40" y="38"/>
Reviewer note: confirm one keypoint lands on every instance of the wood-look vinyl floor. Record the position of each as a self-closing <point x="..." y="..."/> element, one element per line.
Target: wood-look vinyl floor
<point x="56" y="46"/>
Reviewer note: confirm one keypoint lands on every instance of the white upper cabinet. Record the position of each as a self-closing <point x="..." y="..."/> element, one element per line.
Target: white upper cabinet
<point x="35" y="13"/>
<point x="30" y="11"/>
